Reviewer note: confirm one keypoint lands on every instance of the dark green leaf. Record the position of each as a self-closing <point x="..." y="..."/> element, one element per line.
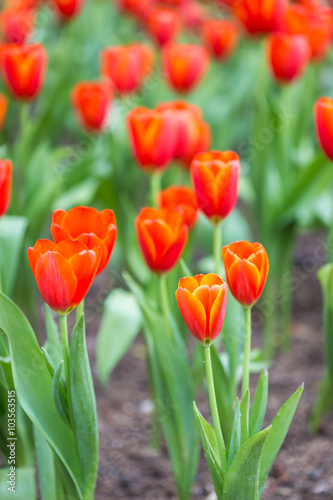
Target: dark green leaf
<point x="245" y="413"/>
<point x="258" y="409"/>
<point x="59" y="393"/>
<point x="235" y="436"/>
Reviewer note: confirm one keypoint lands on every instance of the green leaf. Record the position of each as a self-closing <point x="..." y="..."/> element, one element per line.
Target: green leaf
<point x="242" y="480"/>
<point x="325" y="276"/>
<point x="25" y="484"/>
<point x="209" y="444"/>
<point x="46" y="467"/>
<point x="259" y="405"/>
<point x="280" y="427"/>
<point x="245" y="411"/>
<point x="59" y="393"/>
<point x="33" y="385"/>
<point x="121" y="323"/>
<point x="84" y="409"/>
<point x="235" y="436"/>
<point x="52" y="344"/>
<point x="12" y="230"/>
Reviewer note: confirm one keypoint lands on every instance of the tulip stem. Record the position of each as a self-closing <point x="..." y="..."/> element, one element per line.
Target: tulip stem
<point x="214" y="410"/>
<point x="217" y="236"/>
<point x="155" y="187"/>
<point x="247" y="351"/>
<point x="65" y="355"/>
<point x="79" y="310"/>
<point x="165" y="303"/>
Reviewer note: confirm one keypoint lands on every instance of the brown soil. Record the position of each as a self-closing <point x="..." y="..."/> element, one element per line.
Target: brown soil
<point x="303" y="470"/>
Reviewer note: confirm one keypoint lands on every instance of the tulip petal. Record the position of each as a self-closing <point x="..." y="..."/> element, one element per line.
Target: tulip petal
<point x="217" y="311"/>
<point x="85" y="265"/>
<point x="244" y="281"/>
<point x="193" y="313"/>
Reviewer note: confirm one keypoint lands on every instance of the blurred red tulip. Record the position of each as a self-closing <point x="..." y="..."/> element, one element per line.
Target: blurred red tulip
<point x="68" y="9"/>
<point x="193" y="15"/>
<point x="23" y="68"/>
<point x="162" y="236"/>
<point x="215" y="177"/>
<point x="91" y="101"/>
<point x="6" y="170"/>
<point x="64" y="272"/>
<point x="288" y="56"/>
<point x="220" y="36"/>
<point x="17" y="24"/>
<point x="184" y="65"/>
<point x="3" y="109"/>
<point x="163" y="24"/>
<point x="180" y="199"/>
<point x="323" y="113"/>
<point x="260" y="16"/>
<point x="126" y="66"/>
<point x="138" y="8"/>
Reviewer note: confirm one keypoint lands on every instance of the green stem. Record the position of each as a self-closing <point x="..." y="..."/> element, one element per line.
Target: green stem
<point x="247" y="351"/>
<point x="214" y="410"/>
<point x="217" y="236"/>
<point x="165" y="303"/>
<point x="65" y="355"/>
<point x="1" y="267"/>
<point x="79" y="310"/>
<point x="155" y="187"/>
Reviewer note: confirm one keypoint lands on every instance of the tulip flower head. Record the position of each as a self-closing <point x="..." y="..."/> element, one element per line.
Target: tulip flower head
<point x="6" y="170"/>
<point x="260" y="16"/>
<point x="163" y="24"/>
<point x="91" y="102"/>
<point x="202" y="301"/>
<point x="162" y="236"/>
<point x="16" y="24"/>
<point x="184" y="65"/>
<point x="180" y="199"/>
<point x="64" y="272"/>
<point x="23" y="69"/>
<point x="88" y="226"/>
<point x="68" y="9"/>
<point x="193" y="15"/>
<point x="246" y="267"/>
<point x="215" y="177"/>
<point x="323" y="112"/>
<point x="220" y="36"/>
<point x="3" y="109"/>
<point x="288" y="56"/>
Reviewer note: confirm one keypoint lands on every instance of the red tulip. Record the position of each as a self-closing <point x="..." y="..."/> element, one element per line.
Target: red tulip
<point x="64" y="272"/>
<point x="138" y="8"/>
<point x="162" y="237"/>
<point x="68" y="9"/>
<point x="246" y="267"/>
<point x="215" y="177"/>
<point x="260" y="16"/>
<point x="220" y="36"/>
<point x="180" y="199"/>
<point x="163" y="24"/>
<point x="17" y="24"/>
<point x="202" y="301"/>
<point x="126" y="66"/>
<point x="193" y="15"/>
<point x="152" y="137"/>
<point x="91" y="101"/>
<point x="23" y="69"/>
<point x="184" y="65"/>
<point x="6" y="170"/>
<point x="89" y="226"/>
<point x="323" y="111"/>
<point x="288" y="56"/>
<point x="3" y="109"/>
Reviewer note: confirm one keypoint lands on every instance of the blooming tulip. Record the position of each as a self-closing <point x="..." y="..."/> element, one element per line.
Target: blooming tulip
<point x="126" y="66"/>
<point x="89" y="226"/>
<point x="163" y="24"/>
<point x="68" y="9"/>
<point x="64" y="272"/>
<point x="215" y="177"/>
<point x="193" y="15"/>
<point x="288" y="56"/>
<point x="3" y="109"/>
<point x="180" y="199"/>
<point x="260" y="16"/>
<point x="184" y="65"/>
<point x="162" y="236"/>
<point x="152" y="137"/>
<point x="16" y="24"/>
<point x="220" y="37"/>
<point x="202" y="301"/>
<point x="246" y="267"/>
<point x="6" y="170"/>
<point x="23" y="69"/>
<point x="91" y="101"/>
<point x="323" y="111"/>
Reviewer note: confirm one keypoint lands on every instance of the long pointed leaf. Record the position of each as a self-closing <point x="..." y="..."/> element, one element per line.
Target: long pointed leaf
<point x="259" y="405"/>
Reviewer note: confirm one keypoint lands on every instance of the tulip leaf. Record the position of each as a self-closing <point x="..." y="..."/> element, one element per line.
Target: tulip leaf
<point x="59" y="393"/>
<point x="12" y="230"/>
<point x="25" y="487"/>
<point x="209" y="444"/>
<point x="242" y="479"/>
<point x="235" y="436"/>
<point x="33" y="385"/>
<point x="121" y="323"/>
<point x="52" y="344"/>
<point x="280" y="427"/>
<point x="245" y="410"/>
<point x="259" y="405"/>
<point x="46" y="467"/>
<point x="84" y="409"/>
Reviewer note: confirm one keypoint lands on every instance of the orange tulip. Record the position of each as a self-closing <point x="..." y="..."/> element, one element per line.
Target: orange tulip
<point x="184" y="65"/>
<point x="215" y="177"/>
<point x="220" y="36"/>
<point x="91" y="101"/>
<point x="180" y="199"/>
<point x="152" y="137"/>
<point x="68" y="9"/>
<point x="323" y="111"/>
<point x="288" y="56"/>
<point x="162" y="236"/>
<point x="163" y="24"/>
<point x="246" y="267"/>
<point x="23" y="69"/>
<point x="202" y="301"/>
<point x="126" y="66"/>
<point x="64" y="272"/>
<point x="3" y="109"/>
<point x="260" y="16"/>
<point x="17" y="24"/>
<point x="6" y="170"/>
<point x="89" y="226"/>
